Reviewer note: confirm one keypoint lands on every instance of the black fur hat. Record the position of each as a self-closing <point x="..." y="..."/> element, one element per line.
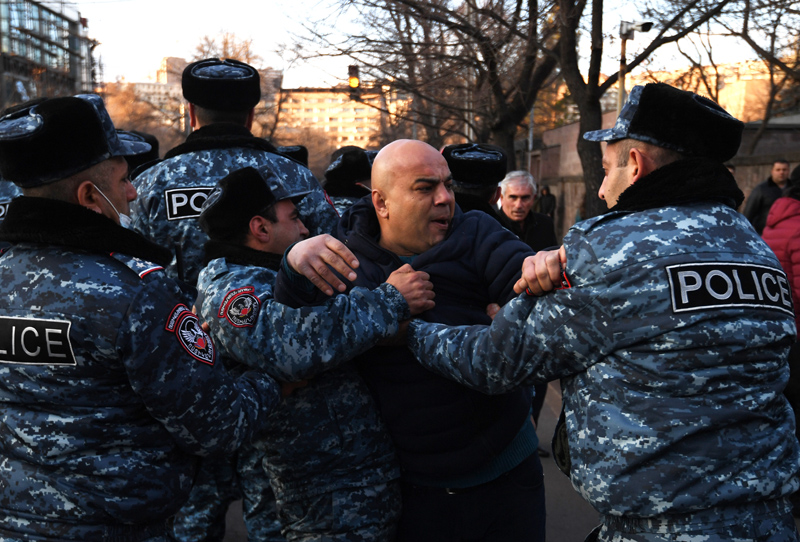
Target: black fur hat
<point x="476" y="164"/>
<point x="295" y="152"/>
<point x="675" y="119"/>
<point x="350" y="167"/>
<point x="221" y="85"/>
<point x="45" y="141"/>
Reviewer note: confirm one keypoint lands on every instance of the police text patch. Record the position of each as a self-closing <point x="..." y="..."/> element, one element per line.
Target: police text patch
<point x="191" y="336"/>
<point x="186" y="202"/>
<point x="240" y="307"/>
<point x="699" y="286"/>
<point x="35" y="341"/>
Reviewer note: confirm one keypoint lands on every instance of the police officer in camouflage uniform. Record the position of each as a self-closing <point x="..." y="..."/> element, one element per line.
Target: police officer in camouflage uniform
<point x="669" y="334"/>
<point x="327" y="453"/>
<point x="222" y="95"/>
<point x="109" y="386"/>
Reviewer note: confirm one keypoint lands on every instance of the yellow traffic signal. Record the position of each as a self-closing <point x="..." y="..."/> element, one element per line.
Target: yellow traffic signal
<point x="353" y="79"/>
<point x="354" y="82"/>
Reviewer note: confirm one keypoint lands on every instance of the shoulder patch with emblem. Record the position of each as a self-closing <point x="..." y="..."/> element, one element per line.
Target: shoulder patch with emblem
<point x="240" y="307"/>
<point x="186" y="327"/>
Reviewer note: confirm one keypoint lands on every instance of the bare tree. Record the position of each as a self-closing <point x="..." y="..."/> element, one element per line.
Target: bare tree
<point x="131" y="112"/>
<point x="470" y="69"/>
<point x="673" y="24"/>
<point x="776" y="22"/>
<point x="228" y="45"/>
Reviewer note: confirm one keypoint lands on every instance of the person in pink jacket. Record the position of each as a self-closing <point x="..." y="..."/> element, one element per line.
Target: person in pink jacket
<point x="782" y="234"/>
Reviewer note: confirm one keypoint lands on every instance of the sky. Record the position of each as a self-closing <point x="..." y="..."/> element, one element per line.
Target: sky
<point x="136" y="34"/>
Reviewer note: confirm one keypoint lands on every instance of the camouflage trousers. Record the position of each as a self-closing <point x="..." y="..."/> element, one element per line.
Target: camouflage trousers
<point x="758" y="522"/>
<point x="218" y="483"/>
<point x="349" y="515"/>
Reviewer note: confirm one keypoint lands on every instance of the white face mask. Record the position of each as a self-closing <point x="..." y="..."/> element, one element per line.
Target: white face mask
<point x="124" y="220"/>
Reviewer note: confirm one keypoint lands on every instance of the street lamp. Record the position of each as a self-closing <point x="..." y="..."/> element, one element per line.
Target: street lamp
<point x="626" y="31"/>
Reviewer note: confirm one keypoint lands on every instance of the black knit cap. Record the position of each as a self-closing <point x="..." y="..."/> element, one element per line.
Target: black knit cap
<point x="241" y="195"/>
<point x="675" y="119"/>
<point x="476" y="164"/>
<point x="221" y="85"/>
<point x="45" y="141"/>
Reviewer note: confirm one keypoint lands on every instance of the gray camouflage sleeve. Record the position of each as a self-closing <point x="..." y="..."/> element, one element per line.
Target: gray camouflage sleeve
<point x="531" y="339"/>
<point x="173" y="366"/>
<point x="296" y="343"/>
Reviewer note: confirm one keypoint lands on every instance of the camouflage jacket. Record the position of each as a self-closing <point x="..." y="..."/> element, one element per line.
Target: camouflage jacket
<point x="326" y="436"/>
<point x="671" y="348"/>
<point x="108" y="385"/>
<point x="172" y="192"/>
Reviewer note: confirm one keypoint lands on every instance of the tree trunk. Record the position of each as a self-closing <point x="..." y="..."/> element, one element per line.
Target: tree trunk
<point x="591" y="157"/>
<point x="504" y="137"/>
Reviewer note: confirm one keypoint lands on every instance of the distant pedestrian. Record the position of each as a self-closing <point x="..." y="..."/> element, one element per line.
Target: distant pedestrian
<point x="547" y="203"/>
<point x="764" y="195"/>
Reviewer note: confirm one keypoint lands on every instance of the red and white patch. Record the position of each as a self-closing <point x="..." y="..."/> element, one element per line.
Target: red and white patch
<point x="240" y="307"/>
<point x="190" y="335"/>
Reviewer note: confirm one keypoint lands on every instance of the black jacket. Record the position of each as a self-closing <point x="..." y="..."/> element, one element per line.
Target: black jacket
<point x="442" y="431"/>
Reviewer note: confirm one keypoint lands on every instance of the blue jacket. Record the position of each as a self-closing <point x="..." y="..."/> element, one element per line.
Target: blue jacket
<point x="670" y="345"/>
<point x="445" y="434"/>
<point x="109" y="387"/>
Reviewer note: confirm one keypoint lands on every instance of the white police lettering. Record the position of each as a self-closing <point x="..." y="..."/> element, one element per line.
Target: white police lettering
<point x="3" y="209"/>
<point x="35" y="341"/>
<point x="186" y="202"/>
<point x="716" y="285"/>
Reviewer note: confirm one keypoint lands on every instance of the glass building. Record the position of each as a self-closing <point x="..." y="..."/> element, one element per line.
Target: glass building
<point x="44" y="51"/>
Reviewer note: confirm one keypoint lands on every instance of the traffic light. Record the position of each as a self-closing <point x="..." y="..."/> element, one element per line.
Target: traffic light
<point x="354" y="82"/>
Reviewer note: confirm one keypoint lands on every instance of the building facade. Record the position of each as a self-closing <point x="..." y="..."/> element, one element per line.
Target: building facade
<point x="332" y="111"/>
<point x="44" y="51"/>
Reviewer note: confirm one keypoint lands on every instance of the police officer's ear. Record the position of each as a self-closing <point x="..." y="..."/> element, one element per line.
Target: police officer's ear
<point x="260" y="231"/>
<point x="87" y="196"/>
<point x="640" y="163"/>
<point x="192" y="116"/>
